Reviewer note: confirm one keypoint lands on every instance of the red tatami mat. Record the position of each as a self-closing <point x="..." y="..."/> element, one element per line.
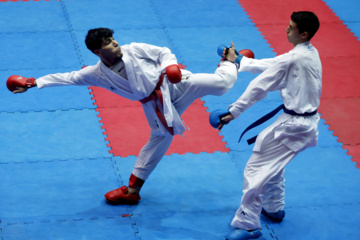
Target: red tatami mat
<point x="340" y="55"/>
<point x="127" y="129"/>
<point x="344" y="124"/>
<point x="340" y="77"/>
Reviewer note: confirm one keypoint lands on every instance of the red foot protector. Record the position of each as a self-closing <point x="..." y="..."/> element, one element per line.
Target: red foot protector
<point x="121" y="196"/>
<point x="127" y="129"/>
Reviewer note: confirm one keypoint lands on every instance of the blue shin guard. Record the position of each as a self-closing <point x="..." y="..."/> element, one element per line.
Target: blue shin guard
<point x="241" y="234"/>
<point x="275" y="216"/>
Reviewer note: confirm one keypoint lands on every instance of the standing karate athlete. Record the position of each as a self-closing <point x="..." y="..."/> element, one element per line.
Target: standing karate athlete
<point x="297" y="75"/>
<point x="145" y="73"/>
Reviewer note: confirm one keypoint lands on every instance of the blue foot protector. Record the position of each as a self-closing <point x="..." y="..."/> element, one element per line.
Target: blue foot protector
<point x="215" y="117"/>
<point x="241" y="234"/>
<point x="276" y="216"/>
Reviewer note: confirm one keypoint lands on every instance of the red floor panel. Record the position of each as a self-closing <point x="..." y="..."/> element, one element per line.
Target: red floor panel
<point x="340" y="54"/>
<point x="279" y="11"/>
<point x="104" y="99"/>
<point x="343" y="117"/>
<point x="340" y="77"/>
<point x="127" y="129"/>
<point x="332" y="40"/>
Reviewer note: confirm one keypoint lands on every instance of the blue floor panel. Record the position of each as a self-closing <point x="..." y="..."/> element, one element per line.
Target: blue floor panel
<point x="113" y="228"/>
<point x="119" y="15"/>
<point x="179" y="225"/>
<point x="327" y="169"/>
<point x="53" y="190"/>
<point x="51" y="135"/>
<point x="26" y="17"/>
<point x="330" y="222"/>
<point x="39" y="50"/>
<point x="199" y="225"/>
<point x="205" y="13"/>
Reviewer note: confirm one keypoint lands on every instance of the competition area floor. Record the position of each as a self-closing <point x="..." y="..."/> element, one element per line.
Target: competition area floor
<point x="63" y="148"/>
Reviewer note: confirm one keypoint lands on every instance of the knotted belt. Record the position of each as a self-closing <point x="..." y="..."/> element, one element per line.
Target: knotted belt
<point x="270" y="115"/>
<point x="155" y="95"/>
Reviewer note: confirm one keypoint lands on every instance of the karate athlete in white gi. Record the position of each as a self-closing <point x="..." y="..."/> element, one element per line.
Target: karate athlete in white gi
<point x="297" y="75"/>
<point x="133" y="72"/>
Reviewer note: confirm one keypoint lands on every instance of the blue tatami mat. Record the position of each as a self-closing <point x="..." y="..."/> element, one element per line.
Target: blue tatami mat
<point x="127" y="14"/>
<point x="322" y="177"/>
<point x="32" y="16"/>
<point x="200" y="13"/>
<point x="112" y="228"/>
<point x="39" y="50"/>
<point x="51" y="135"/>
<point x="332" y="222"/>
<point x="56" y="190"/>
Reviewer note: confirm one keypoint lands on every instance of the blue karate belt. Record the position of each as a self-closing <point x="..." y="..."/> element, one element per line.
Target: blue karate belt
<point x="270" y="115"/>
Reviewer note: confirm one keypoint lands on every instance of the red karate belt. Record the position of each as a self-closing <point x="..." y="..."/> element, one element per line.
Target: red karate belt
<point x="154" y="96"/>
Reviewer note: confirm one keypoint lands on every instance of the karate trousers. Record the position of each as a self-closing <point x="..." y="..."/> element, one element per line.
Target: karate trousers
<point x="183" y="95"/>
<point x="263" y="183"/>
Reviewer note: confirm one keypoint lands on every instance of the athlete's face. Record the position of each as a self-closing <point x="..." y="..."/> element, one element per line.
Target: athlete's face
<point x="293" y="34"/>
<point x="110" y="51"/>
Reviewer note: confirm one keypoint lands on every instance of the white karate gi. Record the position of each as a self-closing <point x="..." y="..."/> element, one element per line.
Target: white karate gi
<point x="297" y="75"/>
<point x="144" y="64"/>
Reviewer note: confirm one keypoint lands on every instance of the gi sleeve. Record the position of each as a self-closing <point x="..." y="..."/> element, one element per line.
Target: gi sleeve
<point x="259" y="65"/>
<point x="273" y="78"/>
<point x="83" y="77"/>
<point x="160" y="55"/>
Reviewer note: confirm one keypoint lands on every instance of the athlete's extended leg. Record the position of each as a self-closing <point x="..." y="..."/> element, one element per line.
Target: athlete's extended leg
<point x="201" y="84"/>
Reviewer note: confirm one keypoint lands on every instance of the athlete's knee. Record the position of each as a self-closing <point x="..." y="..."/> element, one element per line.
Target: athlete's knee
<point x="224" y="84"/>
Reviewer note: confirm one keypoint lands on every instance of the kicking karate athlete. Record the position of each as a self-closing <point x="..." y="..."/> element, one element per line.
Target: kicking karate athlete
<point x="145" y="73"/>
<point x="297" y="75"/>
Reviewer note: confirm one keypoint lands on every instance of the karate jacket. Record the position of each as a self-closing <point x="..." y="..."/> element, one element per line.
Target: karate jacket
<point x="298" y="76"/>
<point x="144" y="64"/>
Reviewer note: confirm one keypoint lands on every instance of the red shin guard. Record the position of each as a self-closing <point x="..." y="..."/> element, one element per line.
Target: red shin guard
<point x="135" y="182"/>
